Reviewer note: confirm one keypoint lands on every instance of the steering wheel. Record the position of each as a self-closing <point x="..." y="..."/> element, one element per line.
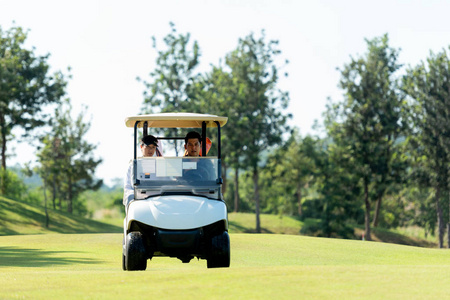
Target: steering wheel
<point x="193" y="175"/>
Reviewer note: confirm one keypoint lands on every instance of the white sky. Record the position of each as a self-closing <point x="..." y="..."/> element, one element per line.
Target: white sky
<point x="108" y="44"/>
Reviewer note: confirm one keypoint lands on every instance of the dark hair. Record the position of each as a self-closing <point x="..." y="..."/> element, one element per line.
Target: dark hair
<point x="149" y="140"/>
<point x="193" y="135"/>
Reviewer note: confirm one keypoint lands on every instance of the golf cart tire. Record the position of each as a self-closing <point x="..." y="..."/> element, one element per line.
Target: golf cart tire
<point x="136" y="256"/>
<point x="124" y="266"/>
<point x="219" y="255"/>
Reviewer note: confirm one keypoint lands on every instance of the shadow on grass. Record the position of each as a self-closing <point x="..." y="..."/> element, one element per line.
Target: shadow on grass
<point x="22" y="257"/>
<point x="27" y="217"/>
<point x="396" y="238"/>
<point x="235" y="227"/>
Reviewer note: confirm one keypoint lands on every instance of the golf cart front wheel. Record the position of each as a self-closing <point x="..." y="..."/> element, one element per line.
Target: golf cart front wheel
<point x="124" y="249"/>
<point x="136" y="255"/>
<point x="219" y="255"/>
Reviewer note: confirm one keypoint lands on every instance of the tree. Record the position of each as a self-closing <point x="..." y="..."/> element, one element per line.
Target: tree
<point x="218" y="93"/>
<point x="371" y="119"/>
<point x="66" y="159"/>
<point x="25" y="87"/>
<point x="429" y="86"/>
<point x="250" y="80"/>
<point x="255" y="73"/>
<point x="338" y="185"/>
<point x="173" y="78"/>
<point x="288" y="172"/>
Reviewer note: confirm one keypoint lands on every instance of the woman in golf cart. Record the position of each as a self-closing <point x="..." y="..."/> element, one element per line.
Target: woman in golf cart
<point x="150" y="146"/>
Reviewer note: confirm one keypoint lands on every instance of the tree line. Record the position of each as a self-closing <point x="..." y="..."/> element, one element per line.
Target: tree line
<point x="381" y="156"/>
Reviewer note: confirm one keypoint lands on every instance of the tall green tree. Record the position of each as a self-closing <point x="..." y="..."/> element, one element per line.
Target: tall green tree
<point x="218" y="93"/>
<point x="289" y="172"/>
<point x="264" y="121"/>
<point x="67" y="162"/>
<point x="339" y="187"/>
<point x="171" y="82"/>
<point x="371" y="119"/>
<point x="428" y="84"/>
<point x="26" y="87"/>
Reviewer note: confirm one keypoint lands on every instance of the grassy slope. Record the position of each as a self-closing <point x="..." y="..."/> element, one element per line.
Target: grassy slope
<point x="21" y="218"/>
<point x="88" y="266"/>
<point x="245" y="223"/>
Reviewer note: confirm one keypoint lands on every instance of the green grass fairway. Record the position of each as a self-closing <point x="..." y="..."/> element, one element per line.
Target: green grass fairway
<point x="267" y="266"/>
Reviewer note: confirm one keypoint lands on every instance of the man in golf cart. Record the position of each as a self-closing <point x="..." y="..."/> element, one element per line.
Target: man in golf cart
<point x="193" y="146"/>
<point x="149" y="147"/>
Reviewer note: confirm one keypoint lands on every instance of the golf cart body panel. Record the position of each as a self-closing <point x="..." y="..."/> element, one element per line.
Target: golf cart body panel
<point x="177" y="212"/>
<point x="178" y="209"/>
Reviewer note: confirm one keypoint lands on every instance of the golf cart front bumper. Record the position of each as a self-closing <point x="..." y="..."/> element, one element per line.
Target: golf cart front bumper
<point x="183" y="244"/>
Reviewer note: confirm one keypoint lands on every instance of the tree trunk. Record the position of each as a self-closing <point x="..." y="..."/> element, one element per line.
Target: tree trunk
<point x="3" y="150"/>
<point x="175" y="143"/>
<point x="45" y="205"/>
<point x="376" y="216"/>
<point x="3" y="137"/>
<point x="448" y="235"/>
<point x="256" y="187"/>
<point x="299" y="199"/>
<point x="326" y="219"/>
<point x="368" y="237"/>
<point x="448" y="224"/>
<point x="377" y="211"/>
<point x="58" y="192"/>
<point x="60" y="203"/>
<point x="69" y="198"/>
<point x="440" y="218"/>
<point x="236" y="190"/>
<point x="54" y="194"/>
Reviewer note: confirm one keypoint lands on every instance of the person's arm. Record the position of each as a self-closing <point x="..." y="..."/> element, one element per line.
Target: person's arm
<point x="128" y="190"/>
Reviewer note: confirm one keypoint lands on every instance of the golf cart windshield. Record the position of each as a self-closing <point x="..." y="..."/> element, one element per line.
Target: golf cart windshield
<point x="178" y="175"/>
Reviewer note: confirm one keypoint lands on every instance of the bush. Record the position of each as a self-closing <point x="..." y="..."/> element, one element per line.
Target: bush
<point x="15" y="188"/>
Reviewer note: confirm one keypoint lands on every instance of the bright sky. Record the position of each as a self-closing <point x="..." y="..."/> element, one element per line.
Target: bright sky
<point x="108" y="44"/>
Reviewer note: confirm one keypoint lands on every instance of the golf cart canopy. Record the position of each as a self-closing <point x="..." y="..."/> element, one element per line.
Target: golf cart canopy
<point x="176" y="120"/>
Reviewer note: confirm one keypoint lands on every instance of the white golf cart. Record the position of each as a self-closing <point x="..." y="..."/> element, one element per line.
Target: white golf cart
<point x="178" y="209"/>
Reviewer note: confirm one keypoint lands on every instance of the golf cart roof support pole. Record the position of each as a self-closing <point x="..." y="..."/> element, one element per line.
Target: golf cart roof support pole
<point x="135" y="139"/>
<point x="203" y="138"/>
<point x="136" y="181"/>
<point x="219" y="155"/>
<point x="145" y="129"/>
<point x="218" y="138"/>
